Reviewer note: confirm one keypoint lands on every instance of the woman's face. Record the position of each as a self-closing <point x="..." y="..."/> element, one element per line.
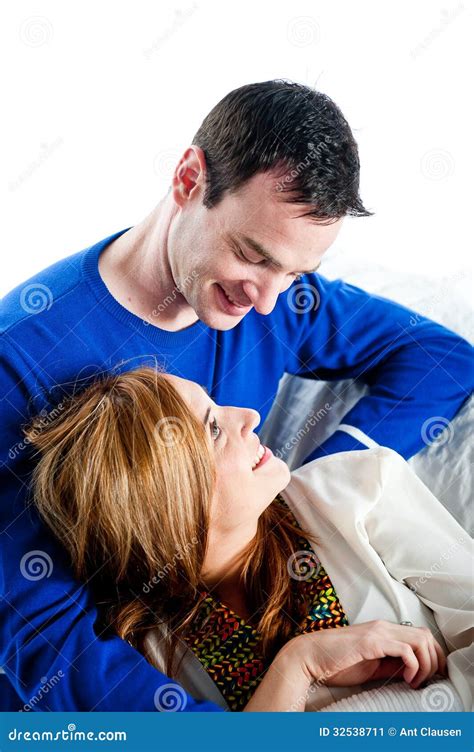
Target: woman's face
<point x="248" y="475"/>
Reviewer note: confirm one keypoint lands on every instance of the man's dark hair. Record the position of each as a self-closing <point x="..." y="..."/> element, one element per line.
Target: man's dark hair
<point x="292" y="129"/>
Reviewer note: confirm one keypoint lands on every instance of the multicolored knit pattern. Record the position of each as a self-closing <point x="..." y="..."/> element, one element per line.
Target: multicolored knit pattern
<point x="230" y="649"/>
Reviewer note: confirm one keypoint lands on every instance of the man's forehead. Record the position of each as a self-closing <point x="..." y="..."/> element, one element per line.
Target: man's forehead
<point x="275" y="223"/>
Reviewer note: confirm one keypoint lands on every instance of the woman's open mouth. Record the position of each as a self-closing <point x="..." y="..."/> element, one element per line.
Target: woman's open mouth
<point x="263" y="454"/>
<point x="229" y="305"/>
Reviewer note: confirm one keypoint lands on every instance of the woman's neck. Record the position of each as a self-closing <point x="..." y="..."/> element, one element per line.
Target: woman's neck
<point x="233" y="595"/>
<point x="222" y="573"/>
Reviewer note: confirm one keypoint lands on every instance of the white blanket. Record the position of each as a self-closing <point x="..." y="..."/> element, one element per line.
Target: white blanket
<point x="439" y="696"/>
<point x="299" y="420"/>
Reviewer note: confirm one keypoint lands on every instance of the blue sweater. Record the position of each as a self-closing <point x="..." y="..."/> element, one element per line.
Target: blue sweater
<point x="62" y="327"/>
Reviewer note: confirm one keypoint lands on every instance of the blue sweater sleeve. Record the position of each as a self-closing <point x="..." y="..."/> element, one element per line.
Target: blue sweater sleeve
<point x="47" y="619"/>
<point x="418" y="372"/>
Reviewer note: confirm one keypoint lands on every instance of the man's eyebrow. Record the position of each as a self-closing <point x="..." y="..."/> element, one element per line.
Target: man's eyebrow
<point x="264" y="253"/>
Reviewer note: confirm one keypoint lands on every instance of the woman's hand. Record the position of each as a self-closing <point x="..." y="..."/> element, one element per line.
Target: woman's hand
<point x="345" y="656"/>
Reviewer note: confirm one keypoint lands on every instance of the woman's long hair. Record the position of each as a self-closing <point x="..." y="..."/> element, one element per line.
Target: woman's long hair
<point x="125" y="479"/>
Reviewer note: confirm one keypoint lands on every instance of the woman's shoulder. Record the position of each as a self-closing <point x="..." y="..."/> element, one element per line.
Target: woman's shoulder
<point x="344" y="480"/>
<point x="344" y="466"/>
<point x="353" y="458"/>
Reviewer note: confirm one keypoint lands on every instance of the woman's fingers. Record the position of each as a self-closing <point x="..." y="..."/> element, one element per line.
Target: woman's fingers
<point x="442" y="663"/>
<point x="424" y="655"/>
<point x="404" y="651"/>
<point x="389" y="668"/>
<point x="423" y="659"/>
<point x="433" y="658"/>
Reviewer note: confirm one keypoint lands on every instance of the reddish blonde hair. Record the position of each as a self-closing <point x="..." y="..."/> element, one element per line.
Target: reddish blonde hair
<point x="125" y="479"/>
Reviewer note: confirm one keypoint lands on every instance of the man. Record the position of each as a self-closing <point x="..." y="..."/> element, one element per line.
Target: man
<point x="197" y="287"/>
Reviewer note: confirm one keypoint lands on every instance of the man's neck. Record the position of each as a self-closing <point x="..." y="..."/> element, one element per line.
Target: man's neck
<point x="135" y="268"/>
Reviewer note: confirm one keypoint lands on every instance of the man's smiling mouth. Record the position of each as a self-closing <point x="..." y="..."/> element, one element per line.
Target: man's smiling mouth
<point x="229" y="304"/>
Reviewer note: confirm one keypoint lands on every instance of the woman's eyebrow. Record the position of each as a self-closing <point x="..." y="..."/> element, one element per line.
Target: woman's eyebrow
<point x="206" y="417"/>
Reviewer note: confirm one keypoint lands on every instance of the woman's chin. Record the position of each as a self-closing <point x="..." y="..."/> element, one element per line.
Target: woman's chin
<point x="287" y="473"/>
<point x="281" y="473"/>
<point x="272" y="477"/>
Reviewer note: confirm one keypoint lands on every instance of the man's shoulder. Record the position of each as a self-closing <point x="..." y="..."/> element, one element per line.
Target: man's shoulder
<point x="41" y="291"/>
<point x="58" y="291"/>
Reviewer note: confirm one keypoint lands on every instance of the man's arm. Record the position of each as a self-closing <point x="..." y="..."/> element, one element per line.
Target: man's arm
<point x="417" y="371"/>
<point x="48" y="637"/>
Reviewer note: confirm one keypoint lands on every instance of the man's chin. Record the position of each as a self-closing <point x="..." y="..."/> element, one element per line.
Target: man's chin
<point x="216" y="319"/>
<point x="219" y="321"/>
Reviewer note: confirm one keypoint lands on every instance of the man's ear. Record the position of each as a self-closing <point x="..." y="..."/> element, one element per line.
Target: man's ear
<point x="189" y="173"/>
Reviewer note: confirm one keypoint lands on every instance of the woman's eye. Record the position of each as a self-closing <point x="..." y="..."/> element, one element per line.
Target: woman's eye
<point x="215" y="430"/>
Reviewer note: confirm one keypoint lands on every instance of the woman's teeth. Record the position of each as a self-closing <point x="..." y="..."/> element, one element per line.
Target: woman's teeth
<point x="260" y="453"/>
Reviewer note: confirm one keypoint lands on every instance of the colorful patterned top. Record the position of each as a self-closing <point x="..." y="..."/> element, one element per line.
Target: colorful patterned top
<point x="230" y="649"/>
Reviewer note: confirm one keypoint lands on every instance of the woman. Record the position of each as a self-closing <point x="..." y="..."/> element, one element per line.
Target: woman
<point x="252" y="597"/>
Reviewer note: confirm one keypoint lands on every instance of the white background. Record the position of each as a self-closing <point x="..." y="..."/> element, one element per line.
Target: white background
<point x="103" y="97"/>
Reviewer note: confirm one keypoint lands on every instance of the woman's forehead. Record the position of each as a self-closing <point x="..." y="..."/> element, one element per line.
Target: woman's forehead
<point x="194" y="394"/>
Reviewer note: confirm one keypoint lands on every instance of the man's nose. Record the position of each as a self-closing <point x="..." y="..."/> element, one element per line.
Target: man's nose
<point x="263" y="296"/>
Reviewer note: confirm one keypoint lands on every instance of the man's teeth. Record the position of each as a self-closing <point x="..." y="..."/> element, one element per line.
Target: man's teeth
<point x="260" y="453"/>
<point x="232" y="299"/>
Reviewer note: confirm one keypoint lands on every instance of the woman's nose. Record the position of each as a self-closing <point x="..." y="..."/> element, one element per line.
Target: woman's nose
<point x="248" y="419"/>
<point x="253" y="419"/>
<point x="242" y="420"/>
